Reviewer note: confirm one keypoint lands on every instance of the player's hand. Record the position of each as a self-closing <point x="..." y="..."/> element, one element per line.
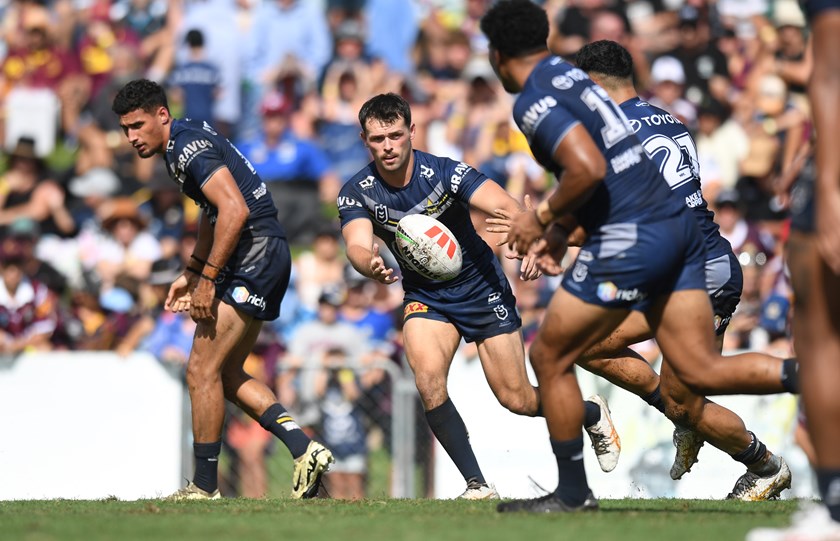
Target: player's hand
<point x="202" y="300"/>
<point x="525" y="230"/>
<point x="550" y="250"/>
<point x="179" y="298"/>
<point x="828" y="228"/>
<point x="501" y="222"/>
<point x="378" y="270"/>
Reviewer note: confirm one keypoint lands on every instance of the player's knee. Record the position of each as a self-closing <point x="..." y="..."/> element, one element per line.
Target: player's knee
<point x="518" y="402"/>
<point x="430" y="386"/>
<point x="200" y="376"/>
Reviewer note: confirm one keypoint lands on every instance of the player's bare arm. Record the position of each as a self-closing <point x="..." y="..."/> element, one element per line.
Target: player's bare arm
<point x="222" y="192"/>
<point x="583" y="168"/>
<point x="180" y="292"/>
<point x="363" y="252"/>
<point x="491" y="198"/>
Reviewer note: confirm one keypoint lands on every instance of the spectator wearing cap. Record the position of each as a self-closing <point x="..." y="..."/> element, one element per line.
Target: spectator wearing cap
<point x="792" y="60"/>
<point x="121" y="245"/>
<point x="195" y="83"/>
<point x="26" y="191"/>
<point x="27" y="307"/>
<point x="706" y="69"/>
<point x="668" y="81"/>
<point x="296" y="170"/>
<point x="308" y="349"/>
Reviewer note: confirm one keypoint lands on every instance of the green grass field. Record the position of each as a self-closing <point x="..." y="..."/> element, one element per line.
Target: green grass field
<point x="380" y="520"/>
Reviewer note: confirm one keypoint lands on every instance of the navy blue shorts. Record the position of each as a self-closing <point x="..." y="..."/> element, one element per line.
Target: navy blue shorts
<point x="628" y="265"/>
<point x="479" y="309"/>
<point x="812" y="8"/>
<point x="724" y="283"/>
<point x="256" y="276"/>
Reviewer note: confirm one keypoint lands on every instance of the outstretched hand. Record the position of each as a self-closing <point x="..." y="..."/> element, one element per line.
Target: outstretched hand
<point x="378" y="270"/>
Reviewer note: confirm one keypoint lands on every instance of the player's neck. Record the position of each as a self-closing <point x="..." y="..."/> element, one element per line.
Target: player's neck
<point x="402" y="176"/>
<point x="520" y="68"/>
<point x="622" y="93"/>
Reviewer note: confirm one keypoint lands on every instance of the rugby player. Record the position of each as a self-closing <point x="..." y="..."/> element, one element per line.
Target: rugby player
<point x="235" y="280"/>
<point x="643" y="250"/>
<point x="477" y="305"/>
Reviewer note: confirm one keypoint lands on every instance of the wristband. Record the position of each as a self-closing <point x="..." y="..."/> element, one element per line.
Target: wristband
<point x="202" y="275"/>
<point x="198" y="259"/>
<point x="212" y="266"/>
<point x="192" y="270"/>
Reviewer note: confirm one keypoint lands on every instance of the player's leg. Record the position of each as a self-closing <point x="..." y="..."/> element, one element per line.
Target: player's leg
<point x="256" y="399"/>
<point x="214" y="340"/>
<point x="816" y="328"/>
<point x="430" y="346"/>
<point x="683" y="325"/>
<point x="503" y="360"/>
<point x="570" y="327"/>
<point x="767" y="474"/>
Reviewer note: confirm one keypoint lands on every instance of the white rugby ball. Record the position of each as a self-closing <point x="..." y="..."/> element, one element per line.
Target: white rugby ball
<point x="428" y="247"/>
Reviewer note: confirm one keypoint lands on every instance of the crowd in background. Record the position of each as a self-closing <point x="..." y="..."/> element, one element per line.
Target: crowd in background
<point x="91" y="235"/>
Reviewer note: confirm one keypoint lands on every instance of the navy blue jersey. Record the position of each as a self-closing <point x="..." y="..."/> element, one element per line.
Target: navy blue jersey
<point x="440" y="188"/>
<point x="195" y="151"/>
<point x="668" y="143"/>
<point x="558" y="96"/>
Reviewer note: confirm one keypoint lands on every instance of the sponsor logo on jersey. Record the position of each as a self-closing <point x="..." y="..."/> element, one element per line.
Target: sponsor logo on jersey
<point x="536" y="113"/>
<point x="208" y="128"/>
<point x="344" y="201"/>
<point x="608" y="291"/>
<point x="191" y="150"/>
<point x="259" y="192"/>
<point x="435" y="233"/>
<point x="414" y="308"/>
<point x="660" y="119"/>
<point x="242" y="295"/>
<point x="568" y="79"/>
<point x="586" y="256"/>
<point x="627" y="159"/>
<point x="694" y="200"/>
<point x="635" y="124"/>
<point x="501" y="311"/>
<point x="426" y="172"/>
<point x="494" y="297"/>
<point x="380" y="212"/>
<point x="170" y="144"/>
<point x="367" y="182"/>
<point x="455" y="180"/>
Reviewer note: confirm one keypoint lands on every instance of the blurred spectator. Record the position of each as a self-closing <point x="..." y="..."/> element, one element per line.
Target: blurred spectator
<point x="25" y="232"/>
<point x="106" y="317"/>
<point x="668" y="79"/>
<point x="392" y="29"/>
<point x="338" y="390"/>
<point x="27" y="307"/>
<point x="706" y="71"/>
<point x="296" y="171"/>
<point x="721" y="146"/>
<point x="745" y="238"/>
<point x="98" y="40"/>
<point x="121" y="245"/>
<point x="320" y="267"/>
<point x="308" y="348"/>
<point x="194" y="84"/>
<point x="27" y="192"/>
<point x="165" y="207"/>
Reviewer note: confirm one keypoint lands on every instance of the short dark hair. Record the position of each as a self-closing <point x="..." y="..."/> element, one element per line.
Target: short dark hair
<point x="195" y="38"/>
<point x="139" y="94"/>
<point x="516" y="28"/>
<point x="387" y="108"/>
<point x="607" y="58"/>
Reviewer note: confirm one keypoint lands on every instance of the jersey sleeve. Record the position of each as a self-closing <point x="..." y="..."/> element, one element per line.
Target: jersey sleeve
<point x="198" y="156"/>
<point x="349" y="204"/>
<point x="462" y="179"/>
<point x="553" y="128"/>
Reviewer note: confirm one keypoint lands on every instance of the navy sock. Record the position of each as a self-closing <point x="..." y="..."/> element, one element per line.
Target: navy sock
<point x="451" y="432"/>
<point x="655" y="399"/>
<point x="278" y="421"/>
<point x="571" y="477"/>
<point x="829" y="483"/>
<point x="790" y="376"/>
<point x="753" y="456"/>
<point x="207" y="465"/>
<point x="591" y="413"/>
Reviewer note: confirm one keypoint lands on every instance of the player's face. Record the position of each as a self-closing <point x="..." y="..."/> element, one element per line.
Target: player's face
<point x="390" y="144"/>
<point x="499" y="65"/>
<point x="146" y="132"/>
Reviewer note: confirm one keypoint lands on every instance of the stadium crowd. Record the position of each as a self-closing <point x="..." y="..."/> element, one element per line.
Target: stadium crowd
<point x="91" y="236"/>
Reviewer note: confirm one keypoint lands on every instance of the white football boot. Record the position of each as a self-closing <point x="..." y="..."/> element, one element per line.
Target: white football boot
<point x="604" y="438"/>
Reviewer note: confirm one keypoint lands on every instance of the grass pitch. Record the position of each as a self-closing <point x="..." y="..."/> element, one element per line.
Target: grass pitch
<point x="380" y="520"/>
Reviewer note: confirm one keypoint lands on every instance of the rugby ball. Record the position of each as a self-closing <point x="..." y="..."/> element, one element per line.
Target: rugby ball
<point x="428" y="247"/>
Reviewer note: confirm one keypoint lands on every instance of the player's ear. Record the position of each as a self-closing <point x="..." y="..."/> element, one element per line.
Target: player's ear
<point x="363" y="138"/>
<point x="163" y="115"/>
<point x="412" y="130"/>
